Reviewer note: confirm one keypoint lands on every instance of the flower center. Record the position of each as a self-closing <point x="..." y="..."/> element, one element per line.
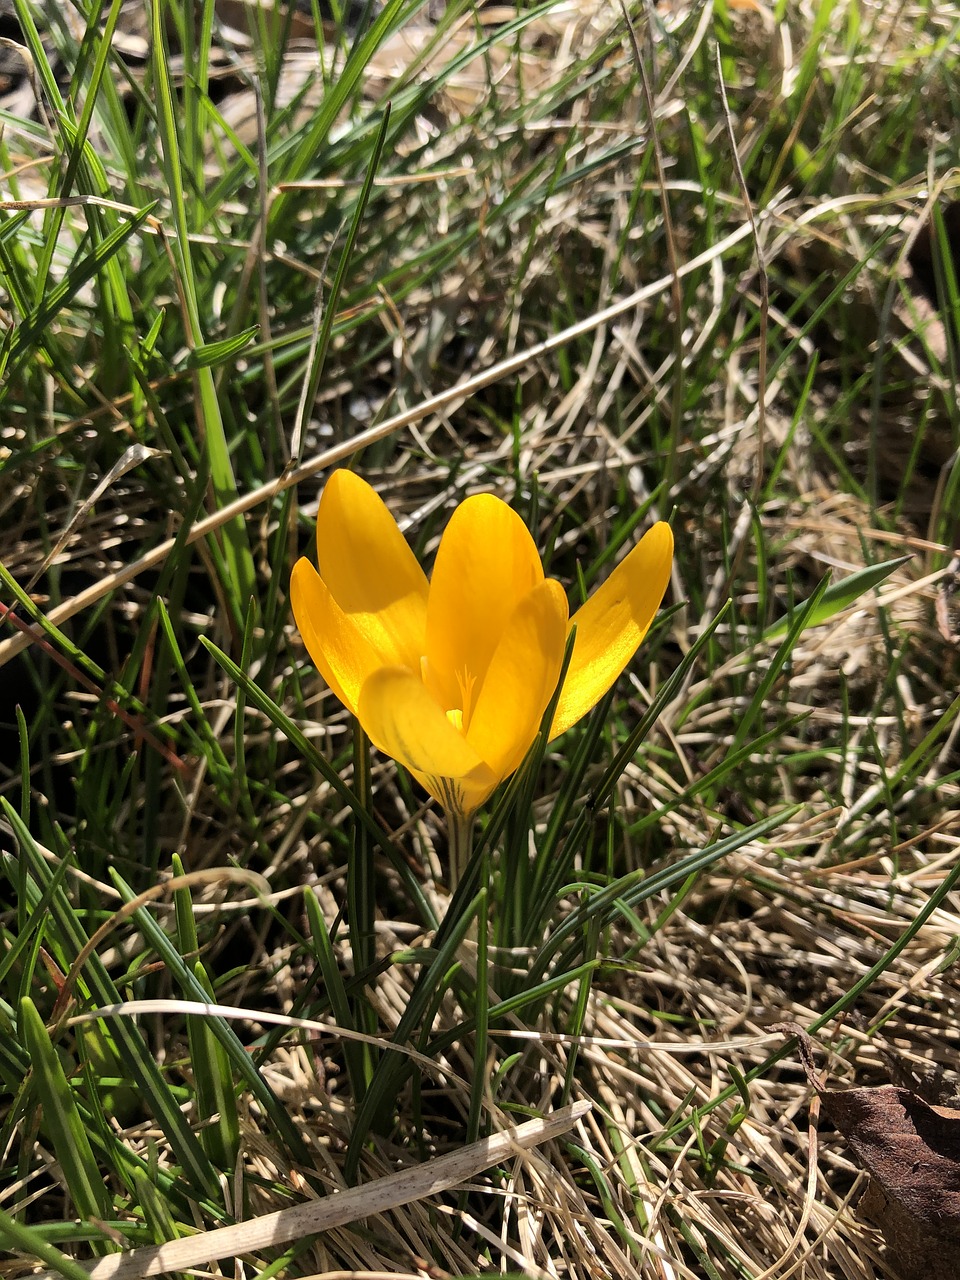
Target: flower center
<point x="459" y="716"/>
<point x="466" y="683"/>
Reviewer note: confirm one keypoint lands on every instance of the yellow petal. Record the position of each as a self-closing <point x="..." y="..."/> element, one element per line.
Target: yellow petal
<point x="403" y="720"/>
<point x="346" y="648"/>
<point x="369" y="569"/>
<point x="521" y="678"/>
<point x="612" y="623"/>
<point x="486" y="563"/>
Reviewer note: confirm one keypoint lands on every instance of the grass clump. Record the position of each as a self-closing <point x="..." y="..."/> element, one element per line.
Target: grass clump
<point x="485" y="251"/>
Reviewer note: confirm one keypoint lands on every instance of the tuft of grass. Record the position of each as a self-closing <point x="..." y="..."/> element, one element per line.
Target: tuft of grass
<point x="483" y="251"/>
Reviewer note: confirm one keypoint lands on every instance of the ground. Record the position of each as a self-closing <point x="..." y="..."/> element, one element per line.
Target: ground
<point x="613" y="266"/>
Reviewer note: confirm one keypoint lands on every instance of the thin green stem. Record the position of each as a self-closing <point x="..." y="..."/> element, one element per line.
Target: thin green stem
<point x="460" y="834"/>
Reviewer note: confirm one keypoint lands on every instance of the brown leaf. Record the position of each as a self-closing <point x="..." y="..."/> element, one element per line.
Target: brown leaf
<point x="912" y="1152"/>
<point x="911" y="1149"/>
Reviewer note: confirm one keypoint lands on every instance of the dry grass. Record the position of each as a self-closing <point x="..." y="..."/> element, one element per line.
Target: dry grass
<point x="592" y="353"/>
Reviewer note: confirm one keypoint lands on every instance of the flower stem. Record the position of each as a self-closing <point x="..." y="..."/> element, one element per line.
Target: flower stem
<point x="460" y="837"/>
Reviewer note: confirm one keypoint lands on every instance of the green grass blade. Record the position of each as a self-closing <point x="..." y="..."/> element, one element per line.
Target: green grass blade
<point x="41" y="316"/>
<point x="338" y="94"/>
<point x="393" y="1068"/>
<point x="797" y="624"/>
<point x="17" y="1236"/>
<point x="309" y="752"/>
<point x="640" y="887"/>
<point x="62" y="1121"/>
<point x="354" y="1057"/>
<point x="247" y="1071"/>
<point x="211" y="1066"/>
<point x="241" y="575"/>
<point x="837" y="1009"/>
<point x="216" y="1094"/>
<point x="841" y="595"/>
<point x="320" y="347"/>
<point x="136" y="1056"/>
<point x="362" y="902"/>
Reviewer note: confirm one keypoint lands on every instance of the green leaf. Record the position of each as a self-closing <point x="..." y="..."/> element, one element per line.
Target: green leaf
<point x="211" y="1065"/>
<point x="216" y="1095"/>
<point x="137" y="1058"/>
<point x="355" y="1055"/>
<point x="31" y="327"/>
<point x="393" y="1069"/>
<point x="61" y="1120"/>
<point x="30" y="1241"/>
<point x="209" y="354"/>
<point x="840" y="595"/>
<point x="240" y="576"/>
<point x="323" y="329"/>
<point x="323" y="766"/>
<point x="338" y="92"/>
<point x="183" y="973"/>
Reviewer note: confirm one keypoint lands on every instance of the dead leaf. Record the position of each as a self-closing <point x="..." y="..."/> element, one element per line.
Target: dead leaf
<point x="911" y="1150"/>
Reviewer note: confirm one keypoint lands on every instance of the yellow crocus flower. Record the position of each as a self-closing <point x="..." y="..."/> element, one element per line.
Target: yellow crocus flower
<point x="452" y="677"/>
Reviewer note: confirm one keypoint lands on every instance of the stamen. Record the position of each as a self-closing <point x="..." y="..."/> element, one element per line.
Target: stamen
<point x="466" y="682"/>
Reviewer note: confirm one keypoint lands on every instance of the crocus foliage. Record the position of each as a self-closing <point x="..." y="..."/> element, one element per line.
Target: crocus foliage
<point x="452" y="676"/>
